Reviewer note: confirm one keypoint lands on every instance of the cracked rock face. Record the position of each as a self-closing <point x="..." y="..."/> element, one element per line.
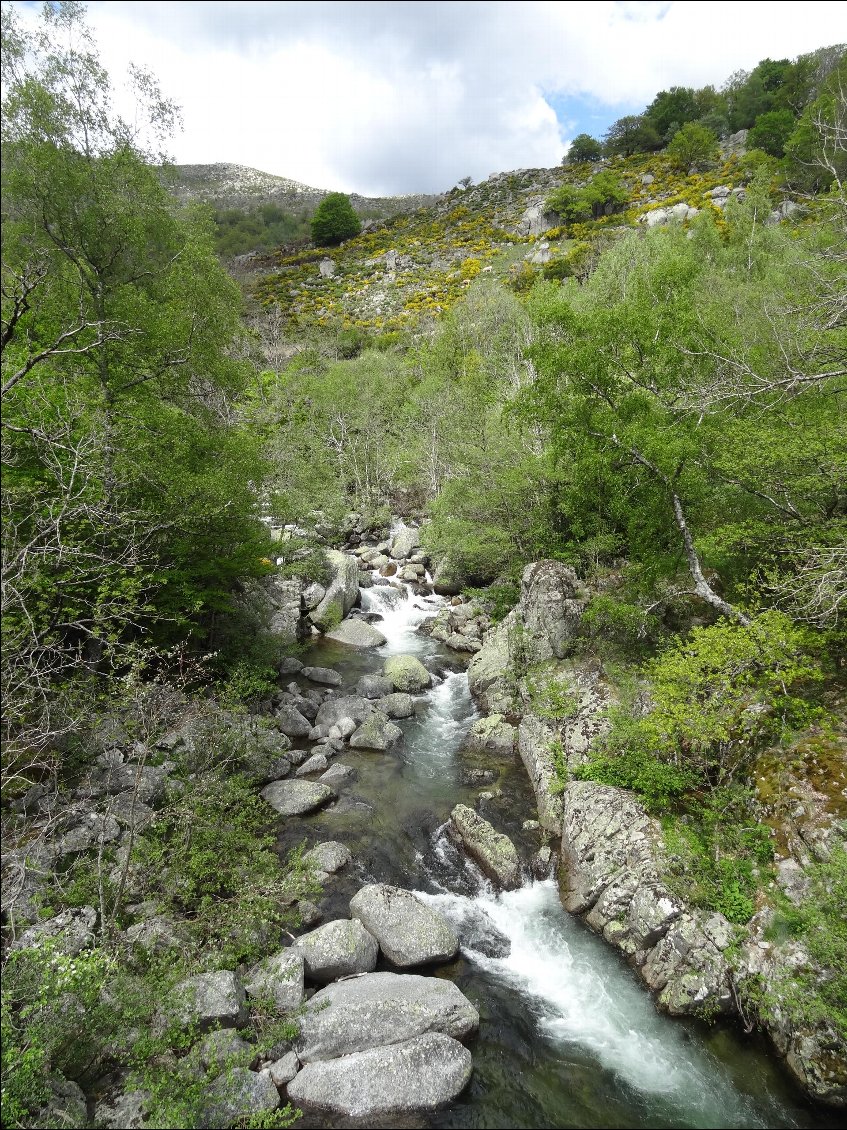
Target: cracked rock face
<point x="611" y="868"/>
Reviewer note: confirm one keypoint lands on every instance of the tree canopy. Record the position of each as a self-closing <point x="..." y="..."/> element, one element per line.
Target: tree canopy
<point x="334" y="220"/>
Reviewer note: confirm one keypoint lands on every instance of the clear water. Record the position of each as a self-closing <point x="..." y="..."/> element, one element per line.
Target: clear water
<point x="568" y="1037"/>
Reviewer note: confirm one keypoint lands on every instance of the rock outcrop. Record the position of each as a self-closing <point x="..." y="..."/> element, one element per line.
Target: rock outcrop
<point x="494" y="852"/>
<point x="341" y="594"/>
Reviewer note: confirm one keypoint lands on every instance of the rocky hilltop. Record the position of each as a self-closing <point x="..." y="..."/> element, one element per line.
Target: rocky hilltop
<point x="226" y="185"/>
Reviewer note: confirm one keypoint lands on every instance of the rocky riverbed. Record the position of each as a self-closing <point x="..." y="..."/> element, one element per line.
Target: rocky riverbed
<point x="438" y="977"/>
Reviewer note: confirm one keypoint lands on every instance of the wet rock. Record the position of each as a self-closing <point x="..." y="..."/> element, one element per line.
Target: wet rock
<point x="296" y="798"/>
<point x="381" y="1008"/>
<point x="209" y="1000"/>
<point x="374" y="686"/>
<point x="477" y="932"/>
<point x="323" y="675"/>
<point x="477" y="777"/>
<point x="279" y="977"/>
<point x="357" y="633"/>
<point x="290" y="665"/>
<point x="494" y="852"/>
<point x="237" y="1095"/>
<point x="329" y="856"/>
<point x="397" y="705"/>
<point x="376" y="732"/>
<point x="407" y="674"/>
<point x="337" y="949"/>
<point x="409" y="932"/>
<point x="543" y="862"/>
<point x="420" y="1074"/>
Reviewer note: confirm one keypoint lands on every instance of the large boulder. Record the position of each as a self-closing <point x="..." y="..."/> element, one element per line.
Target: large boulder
<point x="407" y="674"/>
<point x="376" y="732"/>
<point x="328" y="857"/>
<point x="341" y="594"/>
<point x="337" y="949"/>
<point x="408" y="931"/>
<point x="296" y="798"/>
<point x="397" y="705"/>
<point x="494" y="852"/>
<point x="374" y="686"/>
<point x="552" y="602"/>
<point x="356" y="632"/>
<point x="423" y="1073"/>
<point x="381" y="1008"/>
<point x="279" y="978"/>
<point x="291" y="722"/>
<point x="349" y="708"/>
<point x="404" y="541"/>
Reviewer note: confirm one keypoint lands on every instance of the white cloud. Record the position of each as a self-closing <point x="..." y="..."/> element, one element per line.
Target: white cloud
<point x="398" y="97"/>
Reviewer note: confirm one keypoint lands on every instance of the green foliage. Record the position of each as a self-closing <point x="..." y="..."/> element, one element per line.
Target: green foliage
<point x="213" y="857"/>
<point x="694" y="144"/>
<point x="584" y="147"/>
<point x="334" y="220"/>
<point x="634" y="767"/>
<point x="772" y="131"/>
<point x="818" y="923"/>
<point x="246" y="684"/>
<point x="51" y="1019"/>
<point x="677" y="106"/>
<point x="634" y="133"/>
<point x="262" y="229"/>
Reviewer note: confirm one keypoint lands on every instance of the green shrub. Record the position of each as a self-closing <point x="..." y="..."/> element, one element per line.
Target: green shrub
<point x="694" y="144"/>
<point x="334" y="220"/>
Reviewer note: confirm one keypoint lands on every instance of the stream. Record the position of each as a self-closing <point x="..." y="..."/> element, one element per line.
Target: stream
<point x="568" y="1037"/>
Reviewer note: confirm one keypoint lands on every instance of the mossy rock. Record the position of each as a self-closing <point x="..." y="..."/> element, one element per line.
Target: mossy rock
<point x="407" y="674"/>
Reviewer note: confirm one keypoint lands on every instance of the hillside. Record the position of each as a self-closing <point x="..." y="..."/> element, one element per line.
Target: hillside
<point x="418" y="264"/>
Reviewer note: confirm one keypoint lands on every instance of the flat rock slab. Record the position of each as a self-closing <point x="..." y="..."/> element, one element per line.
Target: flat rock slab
<point x="381" y="1008"/>
<point x="324" y="675"/>
<point x="420" y="1074"/>
<point x="494" y="852"/>
<point x="337" y="949"/>
<point x="408" y="931"/>
<point x="357" y="633"/>
<point x="296" y="798"/>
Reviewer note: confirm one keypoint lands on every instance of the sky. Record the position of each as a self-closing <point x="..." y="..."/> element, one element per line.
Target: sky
<point x="387" y="98"/>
